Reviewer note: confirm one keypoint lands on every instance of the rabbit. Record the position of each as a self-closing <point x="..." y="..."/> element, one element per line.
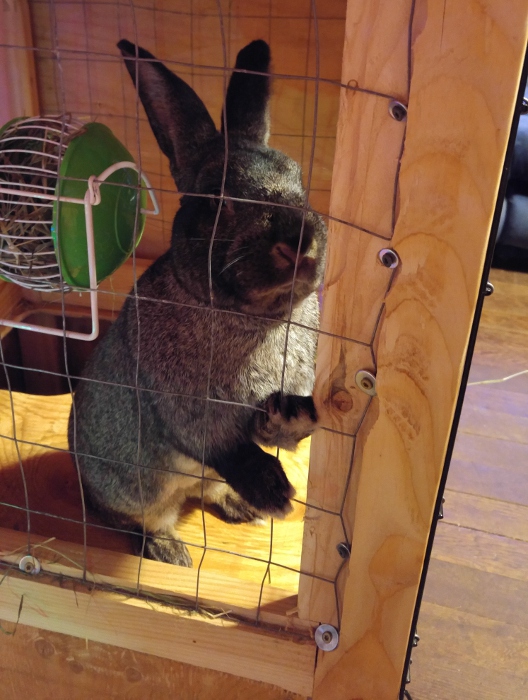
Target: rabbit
<point x="210" y="321"/>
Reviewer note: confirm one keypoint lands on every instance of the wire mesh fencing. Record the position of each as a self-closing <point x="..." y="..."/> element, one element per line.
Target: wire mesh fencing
<point x="80" y="72"/>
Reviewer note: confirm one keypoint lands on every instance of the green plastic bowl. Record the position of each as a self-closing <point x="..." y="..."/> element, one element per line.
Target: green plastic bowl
<point x="115" y="219"/>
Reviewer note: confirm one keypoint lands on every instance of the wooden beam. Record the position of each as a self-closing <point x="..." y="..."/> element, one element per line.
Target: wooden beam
<point x="131" y="623"/>
<point x="363" y="186"/>
<point x="161" y="581"/>
<point x="466" y="66"/>
<point x="65" y="667"/>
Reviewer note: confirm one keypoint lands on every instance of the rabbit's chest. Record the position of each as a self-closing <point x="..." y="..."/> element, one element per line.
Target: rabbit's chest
<point x="263" y="364"/>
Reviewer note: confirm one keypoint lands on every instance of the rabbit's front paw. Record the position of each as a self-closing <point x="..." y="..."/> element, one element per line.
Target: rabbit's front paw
<point x="285" y="420"/>
<point x="167" y="549"/>
<point x="234" y="509"/>
<point x="256" y="476"/>
<point x="265" y="486"/>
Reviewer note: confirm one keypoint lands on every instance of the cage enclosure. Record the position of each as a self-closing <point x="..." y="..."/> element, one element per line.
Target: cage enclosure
<point x="399" y="115"/>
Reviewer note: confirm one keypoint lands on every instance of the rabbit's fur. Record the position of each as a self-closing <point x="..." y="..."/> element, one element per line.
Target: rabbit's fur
<point x="169" y="349"/>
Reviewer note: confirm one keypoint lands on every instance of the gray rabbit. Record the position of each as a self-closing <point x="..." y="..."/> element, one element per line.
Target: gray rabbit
<point x="190" y="377"/>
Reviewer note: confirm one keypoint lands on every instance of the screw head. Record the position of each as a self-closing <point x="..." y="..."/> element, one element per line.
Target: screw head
<point x="366" y="381"/>
<point x="343" y="549"/>
<point x="29" y="565"/>
<point x="389" y="258"/>
<point x="326" y="637"/>
<point x="489" y="289"/>
<point x="398" y="110"/>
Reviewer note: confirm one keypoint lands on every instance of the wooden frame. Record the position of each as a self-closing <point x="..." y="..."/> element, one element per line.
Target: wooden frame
<point x="435" y="206"/>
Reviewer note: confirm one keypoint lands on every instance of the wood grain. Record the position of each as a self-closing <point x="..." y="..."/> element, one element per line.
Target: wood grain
<point x="447" y="188"/>
<point x="355" y="281"/>
<point x="131" y="623"/>
<point x="479" y="568"/>
<point x="481" y="550"/>
<point x="484" y="465"/>
<point x="494" y="596"/>
<point x="483" y="669"/>
<point x="486" y="515"/>
<point x="116" y="570"/>
<point x="18" y="84"/>
<point x="65" y="667"/>
<point x="54" y="497"/>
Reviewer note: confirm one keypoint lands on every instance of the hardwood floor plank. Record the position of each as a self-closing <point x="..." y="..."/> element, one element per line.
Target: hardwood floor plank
<point x="480" y="550"/>
<point x="436" y="677"/>
<point x="477" y="592"/>
<point x="474" y="618"/>
<point x="498" y="398"/>
<point x="493" y="412"/>
<point x="472" y="641"/>
<point x="489" y="515"/>
<point x="485" y="466"/>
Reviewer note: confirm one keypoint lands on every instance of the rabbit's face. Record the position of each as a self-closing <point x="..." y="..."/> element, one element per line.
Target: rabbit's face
<point x="264" y="241"/>
<point x="250" y="241"/>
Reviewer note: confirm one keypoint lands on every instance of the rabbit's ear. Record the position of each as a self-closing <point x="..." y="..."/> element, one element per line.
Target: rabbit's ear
<point x="246" y="108"/>
<point x="178" y="117"/>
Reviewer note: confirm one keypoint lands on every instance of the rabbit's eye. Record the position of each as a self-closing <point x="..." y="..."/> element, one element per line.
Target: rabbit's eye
<point x="227" y="204"/>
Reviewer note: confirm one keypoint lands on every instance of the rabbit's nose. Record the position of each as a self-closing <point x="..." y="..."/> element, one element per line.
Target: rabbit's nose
<point x="285" y="256"/>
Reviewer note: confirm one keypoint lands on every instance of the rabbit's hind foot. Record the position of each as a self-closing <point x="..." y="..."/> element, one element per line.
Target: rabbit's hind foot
<point x="285" y="420"/>
<point x="165" y="547"/>
<point x="231" y="508"/>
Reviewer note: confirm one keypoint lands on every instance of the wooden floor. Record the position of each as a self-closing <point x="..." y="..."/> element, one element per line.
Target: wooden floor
<point x="474" y="619"/>
<point x="49" y="483"/>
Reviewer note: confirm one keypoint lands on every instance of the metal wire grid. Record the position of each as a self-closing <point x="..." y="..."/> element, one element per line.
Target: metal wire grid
<point x="86" y="56"/>
<point x="31" y="161"/>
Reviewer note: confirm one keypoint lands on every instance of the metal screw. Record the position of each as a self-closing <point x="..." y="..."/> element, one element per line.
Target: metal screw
<point x="398" y="111"/>
<point x="366" y="381"/>
<point x="344" y="550"/>
<point x="389" y="258"/>
<point x="326" y="637"/>
<point x="408" y="677"/>
<point x="29" y="565"/>
<point x="489" y="289"/>
<point x="524" y="106"/>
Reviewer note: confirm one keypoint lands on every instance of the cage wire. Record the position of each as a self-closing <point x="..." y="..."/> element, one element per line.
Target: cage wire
<point x="91" y="55"/>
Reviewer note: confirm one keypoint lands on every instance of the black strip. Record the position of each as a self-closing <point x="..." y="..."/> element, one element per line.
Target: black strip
<point x="467" y="364"/>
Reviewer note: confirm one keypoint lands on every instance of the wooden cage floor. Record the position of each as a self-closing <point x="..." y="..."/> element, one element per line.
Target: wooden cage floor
<point x="53" y="489"/>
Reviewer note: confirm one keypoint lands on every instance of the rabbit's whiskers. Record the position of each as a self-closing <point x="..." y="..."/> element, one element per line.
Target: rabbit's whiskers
<point x="233" y="262"/>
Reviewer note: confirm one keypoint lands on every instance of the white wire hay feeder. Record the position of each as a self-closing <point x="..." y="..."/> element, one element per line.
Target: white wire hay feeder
<point x="48" y="167"/>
